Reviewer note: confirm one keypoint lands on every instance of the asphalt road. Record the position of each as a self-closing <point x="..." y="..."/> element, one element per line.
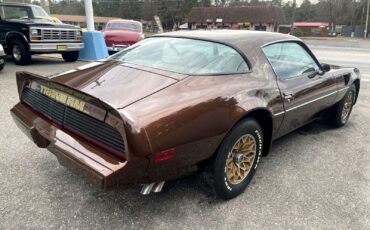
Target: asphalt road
<point x="315" y="178"/>
<point x="346" y="53"/>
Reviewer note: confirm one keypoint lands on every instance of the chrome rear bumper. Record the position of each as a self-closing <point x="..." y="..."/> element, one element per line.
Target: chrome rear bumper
<point x="116" y="48"/>
<point x="55" y="47"/>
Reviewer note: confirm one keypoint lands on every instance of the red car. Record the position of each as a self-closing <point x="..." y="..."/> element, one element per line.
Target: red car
<point x="121" y="33"/>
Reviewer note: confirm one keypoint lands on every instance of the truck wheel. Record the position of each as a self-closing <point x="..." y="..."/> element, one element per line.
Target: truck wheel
<point x="236" y="160"/>
<point x="71" y="56"/>
<point x="20" y="53"/>
<point x="343" y="109"/>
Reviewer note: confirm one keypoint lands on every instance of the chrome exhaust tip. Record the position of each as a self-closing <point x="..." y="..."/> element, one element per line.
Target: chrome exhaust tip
<point x="153" y="187"/>
<point x="146" y="189"/>
<point x="158" y="187"/>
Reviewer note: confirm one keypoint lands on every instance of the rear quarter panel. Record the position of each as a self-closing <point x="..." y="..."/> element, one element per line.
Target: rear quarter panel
<point x="344" y="78"/>
<point x="195" y="114"/>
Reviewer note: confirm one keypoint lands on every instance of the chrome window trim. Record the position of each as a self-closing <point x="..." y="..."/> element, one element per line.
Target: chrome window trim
<point x="345" y="88"/>
<point x="309" y="102"/>
<point x="279" y="113"/>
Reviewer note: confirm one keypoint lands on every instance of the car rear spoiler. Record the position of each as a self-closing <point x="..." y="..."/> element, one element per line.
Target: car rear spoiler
<point x="96" y="108"/>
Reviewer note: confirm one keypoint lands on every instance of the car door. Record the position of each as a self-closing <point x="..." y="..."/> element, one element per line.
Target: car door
<point x="304" y="87"/>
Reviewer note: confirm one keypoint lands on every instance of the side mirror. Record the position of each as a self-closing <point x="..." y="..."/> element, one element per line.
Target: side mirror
<point x="325" y="67"/>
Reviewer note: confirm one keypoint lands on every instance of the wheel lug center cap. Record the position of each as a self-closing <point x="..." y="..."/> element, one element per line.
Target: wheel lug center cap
<point x="238" y="158"/>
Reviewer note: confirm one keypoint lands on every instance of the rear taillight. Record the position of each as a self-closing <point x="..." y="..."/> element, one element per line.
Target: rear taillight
<point x="165" y="155"/>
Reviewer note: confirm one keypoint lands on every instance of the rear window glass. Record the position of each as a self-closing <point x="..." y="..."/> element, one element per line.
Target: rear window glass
<point x="124" y="26"/>
<point x="186" y="56"/>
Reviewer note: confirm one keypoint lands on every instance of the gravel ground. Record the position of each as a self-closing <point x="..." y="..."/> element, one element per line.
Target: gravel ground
<point x="317" y="178"/>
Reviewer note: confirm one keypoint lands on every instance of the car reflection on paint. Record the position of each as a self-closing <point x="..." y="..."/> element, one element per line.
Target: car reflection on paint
<point x="121" y="33"/>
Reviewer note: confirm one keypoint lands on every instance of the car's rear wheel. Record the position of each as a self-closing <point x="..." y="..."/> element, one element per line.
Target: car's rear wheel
<point x="343" y="109"/>
<point x="20" y="53"/>
<point x="71" y="56"/>
<point x="236" y="160"/>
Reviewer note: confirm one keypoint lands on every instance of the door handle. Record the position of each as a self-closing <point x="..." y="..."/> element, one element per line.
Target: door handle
<point x="288" y="96"/>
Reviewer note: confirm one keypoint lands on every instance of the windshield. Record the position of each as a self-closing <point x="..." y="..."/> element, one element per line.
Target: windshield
<point x="123" y="26"/>
<point x="186" y="56"/>
<point x="23" y="12"/>
<point x="39" y="12"/>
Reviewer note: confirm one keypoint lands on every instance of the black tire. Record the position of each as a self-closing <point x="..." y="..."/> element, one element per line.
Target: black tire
<point x="71" y="56"/>
<point x="344" y="106"/>
<point x="20" y="52"/>
<point x="216" y="173"/>
<point x="3" y="63"/>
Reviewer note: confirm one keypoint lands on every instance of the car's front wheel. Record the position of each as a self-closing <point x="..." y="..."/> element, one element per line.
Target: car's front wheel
<point x="236" y="160"/>
<point x="343" y="109"/>
<point x="20" y="53"/>
<point x="71" y="56"/>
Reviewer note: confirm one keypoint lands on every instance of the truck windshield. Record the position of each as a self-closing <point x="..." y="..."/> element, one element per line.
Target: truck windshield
<point x="183" y="55"/>
<point x="39" y="13"/>
<point x="8" y="12"/>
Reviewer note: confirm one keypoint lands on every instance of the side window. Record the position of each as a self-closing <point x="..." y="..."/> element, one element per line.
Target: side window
<point x="289" y="59"/>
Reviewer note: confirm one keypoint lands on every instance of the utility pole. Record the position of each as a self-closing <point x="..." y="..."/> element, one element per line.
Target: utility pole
<point x="367" y="19"/>
<point x="94" y="45"/>
<point x="294" y="8"/>
<point x="89" y="15"/>
<point x="293" y="16"/>
<point x="362" y="15"/>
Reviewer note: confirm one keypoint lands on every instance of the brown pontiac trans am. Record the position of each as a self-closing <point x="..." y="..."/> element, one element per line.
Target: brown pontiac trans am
<point x="181" y="102"/>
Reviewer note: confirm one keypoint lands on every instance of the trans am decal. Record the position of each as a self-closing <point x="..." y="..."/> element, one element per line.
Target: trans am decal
<point x="63" y="98"/>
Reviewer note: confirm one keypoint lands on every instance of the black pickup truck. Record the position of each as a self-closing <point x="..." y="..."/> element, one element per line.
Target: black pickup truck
<point x="26" y="29"/>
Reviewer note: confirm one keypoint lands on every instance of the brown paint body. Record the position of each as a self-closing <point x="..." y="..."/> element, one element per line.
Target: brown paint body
<point x="157" y="110"/>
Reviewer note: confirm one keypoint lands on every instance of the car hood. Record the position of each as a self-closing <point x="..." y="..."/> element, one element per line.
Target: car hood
<point x="42" y="23"/>
<point x="116" y="83"/>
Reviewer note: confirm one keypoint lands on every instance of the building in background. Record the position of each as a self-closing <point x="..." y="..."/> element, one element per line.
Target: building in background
<point x="313" y="29"/>
<point x="264" y="17"/>
<point x="357" y="31"/>
<point x="80" y="20"/>
<point x="20" y="1"/>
